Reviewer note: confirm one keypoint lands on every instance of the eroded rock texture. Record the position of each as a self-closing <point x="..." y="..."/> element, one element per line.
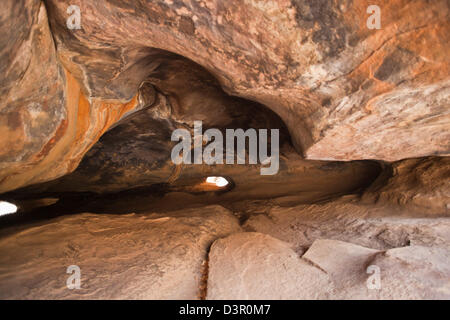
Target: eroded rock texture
<point x="380" y="227"/>
<point x="297" y="252"/>
<point x="257" y="266"/>
<point x="33" y="114"/>
<point x="86" y="117"/>
<point x="343" y="91"/>
<point x="136" y="152"/>
<point x="416" y="184"/>
<point x="120" y="256"/>
<point x="46" y="122"/>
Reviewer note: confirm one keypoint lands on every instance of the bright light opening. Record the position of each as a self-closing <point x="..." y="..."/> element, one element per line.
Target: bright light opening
<point x="218" y="181"/>
<point x="7" y="208"/>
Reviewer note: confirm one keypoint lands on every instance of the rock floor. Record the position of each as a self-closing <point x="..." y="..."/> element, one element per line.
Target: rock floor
<point x="341" y="249"/>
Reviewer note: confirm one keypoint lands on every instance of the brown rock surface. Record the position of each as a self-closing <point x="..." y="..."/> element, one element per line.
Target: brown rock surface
<point x="379" y="227"/>
<point x="317" y="251"/>
<point x="136" y="152"/>
<point x="46" y="122"/>
<point x="420" y="185"/>
<point x="152" y="256"/>
<point x="344" y="91"/>
<point x="86" y="118"/>
<point x="33" y="115"/>
<point x="256" y="266"/>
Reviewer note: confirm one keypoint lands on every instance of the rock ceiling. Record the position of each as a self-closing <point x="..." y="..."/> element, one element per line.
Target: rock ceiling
<point x="342" y="91"/>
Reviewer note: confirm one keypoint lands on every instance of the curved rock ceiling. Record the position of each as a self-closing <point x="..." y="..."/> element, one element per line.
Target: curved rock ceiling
<point x="342" y="90"/>
<point x="86" y="118"/>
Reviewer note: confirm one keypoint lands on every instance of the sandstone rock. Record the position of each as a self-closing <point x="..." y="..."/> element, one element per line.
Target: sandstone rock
<point x="346" y="264"/>
<point x="86" y="117"/>
<point x="136" y="151"/>
<point x="256" y="266"/>
<point x="145" y="256"/>
<point x="414" y="272"/>
<point x="378" y="227"/>
<point x="338" y="257"/>
<point x="419" y="185"/>
<point x="343" y="90"/>
<point x="33" y="114"/>
<point x="46" y="121"/>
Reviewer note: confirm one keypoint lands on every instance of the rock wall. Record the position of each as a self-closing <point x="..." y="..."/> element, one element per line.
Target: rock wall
<point x="419" y="185"/>
<point x="46" y="122"/>
<point x="86" y="117"/>
<point x="342" y="89"/>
